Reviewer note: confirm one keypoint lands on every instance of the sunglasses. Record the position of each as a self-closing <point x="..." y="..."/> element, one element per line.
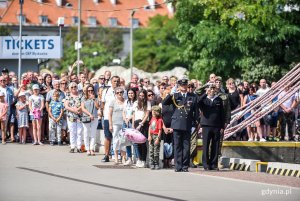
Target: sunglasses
<point x="63" y="83"/>
<point x="91" y="90"/>
<point x="73" y="87"/>
<point x="119" y="92"/>
<point x="101" y="78"/>
<point x="150" y="95"/>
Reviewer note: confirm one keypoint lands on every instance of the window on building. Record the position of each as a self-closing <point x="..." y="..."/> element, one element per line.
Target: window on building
<point x="135" y="23"/>
<point x="75" y="20"/>
<point x="43" y="19"/>
<point x="23" y="19"/>
<point x="92" y="21"/>
<point x="113" y="22"/>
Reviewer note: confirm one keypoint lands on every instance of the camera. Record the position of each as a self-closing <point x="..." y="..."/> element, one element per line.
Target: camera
<point x="25" y="82"/>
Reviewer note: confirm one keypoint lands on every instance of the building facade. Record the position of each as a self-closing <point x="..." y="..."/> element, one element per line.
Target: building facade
<point x="40" y="18"/>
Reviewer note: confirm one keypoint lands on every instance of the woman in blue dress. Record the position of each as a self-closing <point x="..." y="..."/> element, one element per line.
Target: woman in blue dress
<point x="252" y="135"/>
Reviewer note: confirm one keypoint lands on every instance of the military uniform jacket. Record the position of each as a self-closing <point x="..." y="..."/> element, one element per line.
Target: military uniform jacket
<point x="212" y="112"/>
<point x="185" y="110"/>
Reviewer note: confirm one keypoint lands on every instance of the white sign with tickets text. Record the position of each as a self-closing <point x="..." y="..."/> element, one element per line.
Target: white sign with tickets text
<point x="33" y="47"/>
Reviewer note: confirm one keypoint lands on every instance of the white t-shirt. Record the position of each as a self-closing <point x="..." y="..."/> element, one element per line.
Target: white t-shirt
<point x="140" y="114"/>
<point x="289" y="101"/>
<point x="128" y="109"/>
<point x="4" y="91"/>
<point x="261" y="91"/>
<point x="117" y="115"/>
<point x="36" y="101"/>
<point x="107" y="96"/>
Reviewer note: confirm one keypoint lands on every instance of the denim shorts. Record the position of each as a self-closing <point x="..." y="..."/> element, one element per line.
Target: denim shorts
<point x="12" y="115"/>
<point x="107" y="132"/>
<point x="31" y="118"/>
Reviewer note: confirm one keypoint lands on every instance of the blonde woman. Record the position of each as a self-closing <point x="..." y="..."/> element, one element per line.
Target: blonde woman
<point x="74" y="111"/>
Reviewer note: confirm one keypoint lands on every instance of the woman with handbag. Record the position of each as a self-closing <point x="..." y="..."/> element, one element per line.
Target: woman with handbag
<point x="74" y="111"/>
<point x="115" y="119"/>
<point x="141" y="110"/>
<point x="89" y="106"/>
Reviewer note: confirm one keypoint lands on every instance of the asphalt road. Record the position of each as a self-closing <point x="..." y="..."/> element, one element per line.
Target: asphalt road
<point x="43" y="173"/>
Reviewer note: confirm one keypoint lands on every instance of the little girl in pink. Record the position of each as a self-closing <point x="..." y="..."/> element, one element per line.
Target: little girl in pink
<point x="3" y="115"/>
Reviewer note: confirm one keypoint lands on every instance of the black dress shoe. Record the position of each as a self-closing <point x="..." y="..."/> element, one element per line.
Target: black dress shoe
<point x="214" y="168"/>
<point x="105" y="159"/>
<point x="185" y="170"/>
<point x="178" y="170"/>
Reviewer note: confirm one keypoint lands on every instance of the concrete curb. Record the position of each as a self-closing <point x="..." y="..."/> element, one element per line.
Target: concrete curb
<point x="284" y="169"/>
<point x="239" y="164"/>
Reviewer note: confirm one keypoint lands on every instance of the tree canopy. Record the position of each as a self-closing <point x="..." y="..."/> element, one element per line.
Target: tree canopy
<point x="156" y="47"/>
<point x="4" y="31"/>
<point x="99" y="47"/>
<point x="247" y="39"/>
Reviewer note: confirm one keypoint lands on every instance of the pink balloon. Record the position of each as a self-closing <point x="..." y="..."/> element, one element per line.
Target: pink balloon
<point x="135" y="136"/>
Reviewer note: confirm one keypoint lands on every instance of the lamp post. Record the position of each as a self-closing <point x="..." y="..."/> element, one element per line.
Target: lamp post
<point x="131" y="42"/>
<point x="60" y="23"/>
<point x="21" y="2"/>
<point x="78" y="37"/>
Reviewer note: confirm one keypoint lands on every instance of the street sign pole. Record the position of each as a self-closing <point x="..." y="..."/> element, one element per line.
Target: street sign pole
<point x="20" y="39"/>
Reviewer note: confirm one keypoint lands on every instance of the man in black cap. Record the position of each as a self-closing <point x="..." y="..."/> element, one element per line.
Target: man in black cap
<point x="4" y="71"/>
<point x="184" y="117"/>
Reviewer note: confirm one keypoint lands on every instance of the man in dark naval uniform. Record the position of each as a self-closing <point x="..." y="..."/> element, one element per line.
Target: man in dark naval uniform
<point x="184" y="117"/>
<point x="213" y="124"/>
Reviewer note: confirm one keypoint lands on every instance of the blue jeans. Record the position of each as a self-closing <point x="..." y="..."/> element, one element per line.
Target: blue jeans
<point x="128" y="148"/>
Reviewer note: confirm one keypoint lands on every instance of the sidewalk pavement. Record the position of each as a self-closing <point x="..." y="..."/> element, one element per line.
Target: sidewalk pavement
<point x="52" y="173"/>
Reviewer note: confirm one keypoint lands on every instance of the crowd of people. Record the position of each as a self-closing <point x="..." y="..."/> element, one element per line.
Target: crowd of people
<point x="71" y="109"/>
